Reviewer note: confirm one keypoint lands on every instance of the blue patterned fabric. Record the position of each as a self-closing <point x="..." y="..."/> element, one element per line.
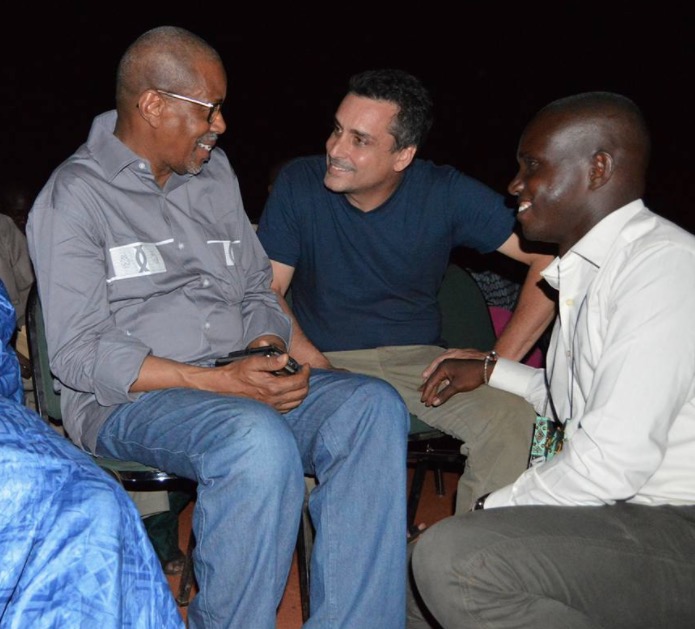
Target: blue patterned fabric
<point x="73" y="547"/>
<point x="10" y="376"/>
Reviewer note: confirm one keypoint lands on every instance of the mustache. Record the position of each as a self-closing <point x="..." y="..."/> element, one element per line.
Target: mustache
<point x="339" y="164"/>
<point x="208" y="138"/>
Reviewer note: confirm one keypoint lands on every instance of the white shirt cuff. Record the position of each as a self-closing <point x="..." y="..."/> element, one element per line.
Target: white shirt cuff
<point x="511" y="376"/>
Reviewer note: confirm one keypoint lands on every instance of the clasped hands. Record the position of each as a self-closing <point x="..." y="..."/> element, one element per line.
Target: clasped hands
<point x="255" y="377"/>
<point x="450" y="373"/>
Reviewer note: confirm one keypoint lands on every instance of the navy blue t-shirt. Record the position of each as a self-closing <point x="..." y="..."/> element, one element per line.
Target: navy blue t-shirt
<point x="369" y="279"/>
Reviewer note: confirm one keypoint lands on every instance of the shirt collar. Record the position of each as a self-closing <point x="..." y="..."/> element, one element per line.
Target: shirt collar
<point x="107" y="149"/>
<point x="596" y="245"/>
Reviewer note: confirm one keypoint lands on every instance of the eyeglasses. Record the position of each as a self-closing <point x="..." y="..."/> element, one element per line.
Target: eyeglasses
<point x="214" y="108"/>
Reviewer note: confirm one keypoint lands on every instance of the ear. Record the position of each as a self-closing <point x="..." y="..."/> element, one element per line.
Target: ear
<point x="405" y="156"/>
<point x="601" y="169"/>
<point x="151" y="106"/>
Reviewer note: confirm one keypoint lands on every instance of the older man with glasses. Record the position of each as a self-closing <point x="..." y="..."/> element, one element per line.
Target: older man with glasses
<point x="149" y="270"/>
<point x="213" y="108"/>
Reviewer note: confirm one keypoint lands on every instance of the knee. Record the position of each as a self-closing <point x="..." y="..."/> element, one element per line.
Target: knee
<point x="465" y="566"/>
<point x="436" y="568"/>
<point x="259" y="446"/>
<point x="384" y="404"/>
<point x="429" y="572"/>
<point x="431" y="556"/>
<point x="513" y="407"/>
<point x="504" y="418"/>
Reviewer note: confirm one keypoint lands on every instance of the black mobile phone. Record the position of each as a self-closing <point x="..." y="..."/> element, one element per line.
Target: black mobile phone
<point x="290" y="368"/>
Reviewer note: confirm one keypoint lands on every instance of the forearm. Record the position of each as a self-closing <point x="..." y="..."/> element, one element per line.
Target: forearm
<point x="534" y="311"/>
<point x="301" y="348"/>
<point x="162" y="373"/>
<point x="253" y="377"/>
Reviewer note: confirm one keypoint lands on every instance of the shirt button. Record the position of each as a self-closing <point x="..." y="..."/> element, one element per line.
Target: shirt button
<point x="206" y="282"/>
<point x="181" y="245"/>
<point x="570" y="302"/>
<point x="207" y="325"/>
<point x="142" y="165"/>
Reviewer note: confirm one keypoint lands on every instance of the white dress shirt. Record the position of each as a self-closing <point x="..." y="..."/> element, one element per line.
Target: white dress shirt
<point x="621" y="363"/>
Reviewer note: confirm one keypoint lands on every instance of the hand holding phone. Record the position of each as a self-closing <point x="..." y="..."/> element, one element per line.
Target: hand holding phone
<point x="290" y="368"/>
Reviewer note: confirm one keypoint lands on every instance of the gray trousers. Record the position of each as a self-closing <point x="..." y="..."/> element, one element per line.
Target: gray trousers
<point x="612" y="567"/>
<point x="496" y="426"/>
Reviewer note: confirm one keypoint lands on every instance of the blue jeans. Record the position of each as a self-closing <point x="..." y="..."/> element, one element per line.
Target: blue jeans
<point x="250" y="461"/>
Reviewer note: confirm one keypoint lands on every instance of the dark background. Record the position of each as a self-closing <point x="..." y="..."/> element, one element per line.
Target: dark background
<point x="489" y="67"/>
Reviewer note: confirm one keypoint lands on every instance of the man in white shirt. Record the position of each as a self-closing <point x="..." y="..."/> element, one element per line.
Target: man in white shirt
<point x="603" y="533"/>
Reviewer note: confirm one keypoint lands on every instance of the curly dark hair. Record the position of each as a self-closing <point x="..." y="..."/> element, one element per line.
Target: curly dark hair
<point x="415" y="110"/>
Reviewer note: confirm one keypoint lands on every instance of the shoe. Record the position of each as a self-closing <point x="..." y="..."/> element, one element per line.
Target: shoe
<point x="415" y="531"/>
<point x="174" y="565"/>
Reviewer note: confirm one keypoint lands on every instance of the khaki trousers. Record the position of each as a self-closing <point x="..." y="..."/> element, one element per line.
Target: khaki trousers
<point x="496" y="426"/>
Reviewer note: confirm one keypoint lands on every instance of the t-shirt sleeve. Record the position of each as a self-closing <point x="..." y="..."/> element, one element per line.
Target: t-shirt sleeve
<point x="278" y="225"/>
<point x="482" y="218"/>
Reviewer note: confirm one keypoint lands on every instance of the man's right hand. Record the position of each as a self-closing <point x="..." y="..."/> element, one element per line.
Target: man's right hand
<point x="452" y="353"/>
<point x="451" y="376"/>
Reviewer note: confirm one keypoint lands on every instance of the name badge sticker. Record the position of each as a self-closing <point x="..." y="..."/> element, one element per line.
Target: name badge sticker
<point x="137" y="259"/>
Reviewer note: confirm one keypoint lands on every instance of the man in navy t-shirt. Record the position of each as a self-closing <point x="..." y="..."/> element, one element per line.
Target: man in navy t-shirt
<point x="364" y="235"/>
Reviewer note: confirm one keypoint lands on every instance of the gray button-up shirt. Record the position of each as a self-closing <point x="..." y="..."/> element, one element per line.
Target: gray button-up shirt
<point x="126" y="269"/>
